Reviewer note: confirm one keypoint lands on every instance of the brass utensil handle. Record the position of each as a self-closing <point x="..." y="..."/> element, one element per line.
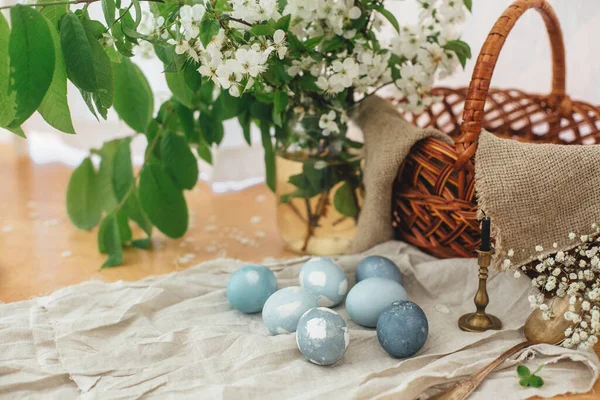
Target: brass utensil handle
<point x="463" y="388"/>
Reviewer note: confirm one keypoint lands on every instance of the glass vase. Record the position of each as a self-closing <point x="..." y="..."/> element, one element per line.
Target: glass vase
<point x="319" y="200"/>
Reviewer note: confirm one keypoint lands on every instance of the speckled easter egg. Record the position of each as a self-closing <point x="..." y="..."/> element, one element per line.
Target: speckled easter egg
<point x="249" y="288"/>
<point x="285" y="307"/>
<point x="402" y="329"/>
<point x="368" y="298"/>
<point x="322" y="336"/>
<point x="377" y="267"/>
<point x="326" y="279"/>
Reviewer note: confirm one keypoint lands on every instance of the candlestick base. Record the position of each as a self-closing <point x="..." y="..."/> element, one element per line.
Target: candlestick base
<point x="475" y="322"/>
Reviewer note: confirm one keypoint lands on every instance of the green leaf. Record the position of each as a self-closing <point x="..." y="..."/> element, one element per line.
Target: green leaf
<point x="7" y="101"/>
<point x="223" y="6"/>
<point x="125" y="233"/>
<point x="138" y="12"/>
<point x="461" y="49"/>
<point x="333" y="44"/>
<point x="244" y="120"/>
<point x="104" y="72"/>
<point x="227" y="106"/>
<point x="144" y="244"/>
<point x="389" y="16"/>
<point x="31" y="54"/>
<point x="204" y="152"/>
<point x="281" y="100"/>
<point x="179" y="89"/>
<point x="134" y="101"/>
<point x="93" y="27"/>
<point x="54" y="108"/>
<point x="108" y="9"/>
<point x="262" y="30"/>
<point x="179" y="160"/>
<point x="311" y="43"/>
<point x="523" y="371"/>
<point x="344" y="201"/>
<point x="109" y="241"/>
<point x="536" y="381"/>
<point x="284" y="23"/>
<point x="133" y="208"/>
<point x="212" y="129"/>
<point x="208" y="29"/>
<point x="122" y="172"/>
<point x="18" y="131"/>
<point x="54" y="12"/>
<point x="186" y="120"/>
<point x="524" y="382"/>
<point x="84" y="206"/>
<point x="105" y="174"/>
<point x="163" y="201"/>
<point x="469" y="4"/>
<point x="78" y="53"/>
<point x="265" y="132"/>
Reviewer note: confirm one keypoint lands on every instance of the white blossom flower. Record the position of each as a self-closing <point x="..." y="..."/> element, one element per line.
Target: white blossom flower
<point x="328" y="124"/>
<point x="345" y="72"/>
<point x="279" y="44"/>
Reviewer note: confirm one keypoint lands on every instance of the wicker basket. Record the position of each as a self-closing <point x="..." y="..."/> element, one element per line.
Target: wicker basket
<point x="433" y="205"/>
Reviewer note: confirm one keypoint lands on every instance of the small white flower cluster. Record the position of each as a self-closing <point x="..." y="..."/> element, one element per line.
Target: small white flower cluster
<point x="576" y="274"/>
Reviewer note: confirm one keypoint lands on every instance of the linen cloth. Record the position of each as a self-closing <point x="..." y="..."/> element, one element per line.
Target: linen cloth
<point x="388" y="139"/>
<point x="176" y="336"/>
<point x="536" y="194"/>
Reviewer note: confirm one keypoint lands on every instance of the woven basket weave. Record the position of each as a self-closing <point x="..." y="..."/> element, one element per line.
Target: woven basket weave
<point x="433" y="204"/>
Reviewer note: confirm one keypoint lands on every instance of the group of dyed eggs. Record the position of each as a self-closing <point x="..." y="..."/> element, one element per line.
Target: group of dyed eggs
<point x="377" y="300"/>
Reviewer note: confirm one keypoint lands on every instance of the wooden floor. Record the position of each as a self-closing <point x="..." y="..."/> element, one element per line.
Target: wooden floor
<point x="40" y="251"/>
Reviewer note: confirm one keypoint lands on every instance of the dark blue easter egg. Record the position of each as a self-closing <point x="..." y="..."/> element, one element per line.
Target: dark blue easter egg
<point x="378" y="267"/>
<point x="249" y="288"/>
<point x="322" y="336"/>
<point x="402" y="329"/>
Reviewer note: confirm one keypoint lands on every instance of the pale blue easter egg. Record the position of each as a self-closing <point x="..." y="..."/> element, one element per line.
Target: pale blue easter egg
<point x="249" y="288"/>
<point x="402" y="329"/>
<point x="326" y="279"/>
<point x="322" y="336"/>
<point x="368" y="298"/>
<point x="377" y="267"/>
<point x="285" y="307"/>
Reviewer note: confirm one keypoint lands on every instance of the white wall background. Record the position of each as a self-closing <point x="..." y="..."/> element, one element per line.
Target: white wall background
<point x="524" y="64"/>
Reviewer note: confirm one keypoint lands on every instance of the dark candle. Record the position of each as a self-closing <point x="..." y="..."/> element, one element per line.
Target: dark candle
<point x="485" y="234"/>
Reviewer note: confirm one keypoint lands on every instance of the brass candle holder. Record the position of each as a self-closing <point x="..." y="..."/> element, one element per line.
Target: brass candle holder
<point x="480" y="321"/>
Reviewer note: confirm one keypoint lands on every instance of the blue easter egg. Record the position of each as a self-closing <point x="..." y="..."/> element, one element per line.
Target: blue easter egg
<point x="377" y="267"/>
<point x="326" y="279"/>
<point x="285" y="307"/>
<point x="368" y="298"/>
<point x="322" y="336"/>
<point x="402" y="329"/>
<point x="249" y="288"/>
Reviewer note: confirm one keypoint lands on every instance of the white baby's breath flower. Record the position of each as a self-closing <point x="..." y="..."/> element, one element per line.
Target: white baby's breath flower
<point x="539" y="248"/>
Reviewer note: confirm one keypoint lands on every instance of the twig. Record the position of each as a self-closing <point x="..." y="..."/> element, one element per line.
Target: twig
<point x="239" y="21"/>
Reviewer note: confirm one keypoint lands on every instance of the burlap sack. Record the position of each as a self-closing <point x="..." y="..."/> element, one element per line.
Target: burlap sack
<point x="536" y="194"/>
<point x="388" y="139"/>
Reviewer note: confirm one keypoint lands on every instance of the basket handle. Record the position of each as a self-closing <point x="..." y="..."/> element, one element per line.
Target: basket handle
<point x="486" y="62"/>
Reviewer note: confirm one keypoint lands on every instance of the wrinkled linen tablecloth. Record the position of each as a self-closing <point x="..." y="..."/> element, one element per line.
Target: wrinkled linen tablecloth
<point x="176" y="336"/>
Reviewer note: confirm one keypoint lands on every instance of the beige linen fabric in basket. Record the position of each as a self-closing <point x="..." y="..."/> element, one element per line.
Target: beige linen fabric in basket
<point x="176" y="336"/>
<point x="536" y="194"/>
<point x="388" y="139"/>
